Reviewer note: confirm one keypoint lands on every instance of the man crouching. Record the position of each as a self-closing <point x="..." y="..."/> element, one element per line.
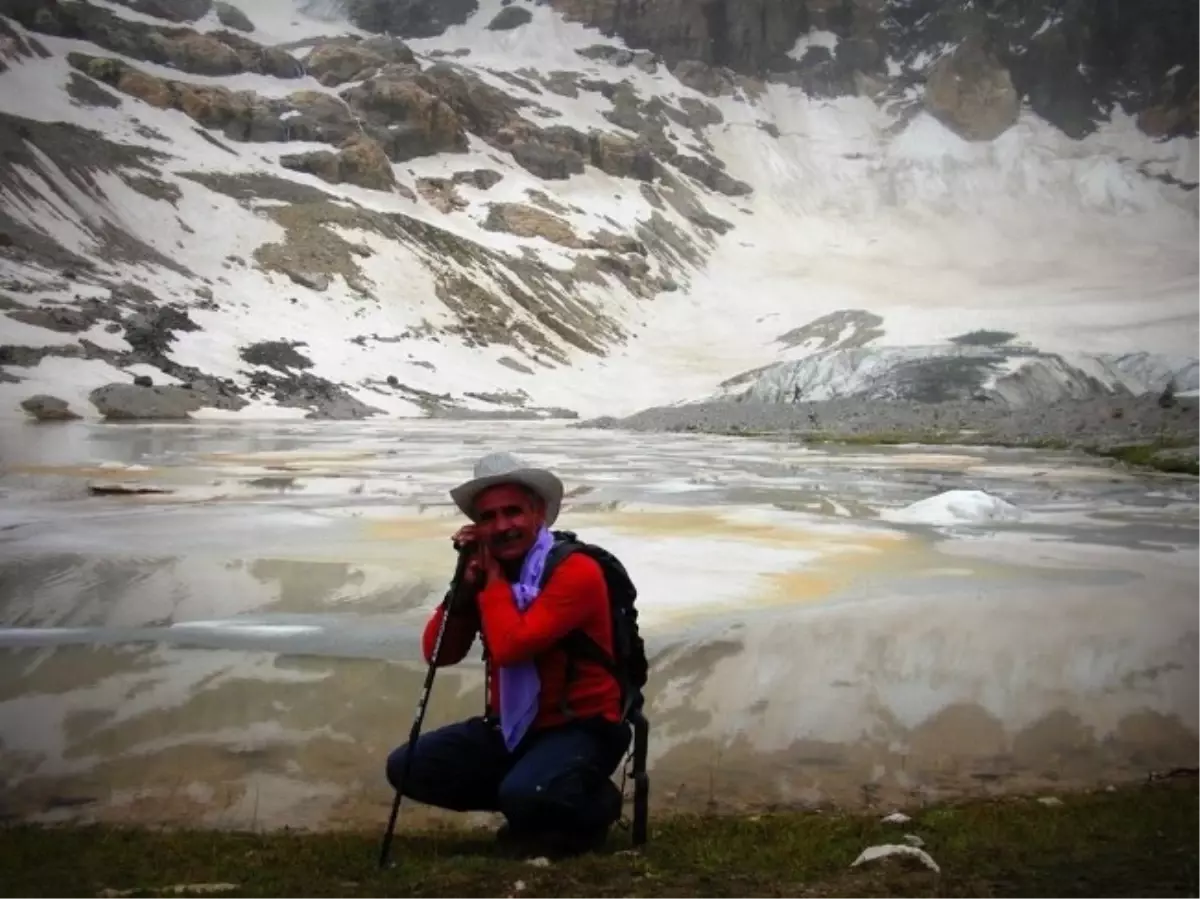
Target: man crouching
<point x="552" y="735"/>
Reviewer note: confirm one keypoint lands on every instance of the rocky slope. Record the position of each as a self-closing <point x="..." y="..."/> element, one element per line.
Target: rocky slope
<point x="980" y="366"/>
<point x="345" y="208"/>
<point x="1072" y="61"/>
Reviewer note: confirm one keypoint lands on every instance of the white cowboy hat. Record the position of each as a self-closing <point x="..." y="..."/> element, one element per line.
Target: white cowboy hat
<point x="505" y="468"/>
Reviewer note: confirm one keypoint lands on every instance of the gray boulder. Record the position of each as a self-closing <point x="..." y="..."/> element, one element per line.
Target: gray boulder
<point x="45" y="407"/>
<point x="232" y="17"/>
<point x="509" y="18"/>
<point x="130" y="402"/>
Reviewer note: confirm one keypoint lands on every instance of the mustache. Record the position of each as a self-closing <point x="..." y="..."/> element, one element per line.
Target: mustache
<point x="506" y="537"/>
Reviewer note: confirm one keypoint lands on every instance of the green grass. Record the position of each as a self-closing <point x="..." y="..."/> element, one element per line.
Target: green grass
<point x="874" y="438"/>
<point x="1135" y="455"/>
<point x="1140" y="840"/>
<point x="1146" y="455"/>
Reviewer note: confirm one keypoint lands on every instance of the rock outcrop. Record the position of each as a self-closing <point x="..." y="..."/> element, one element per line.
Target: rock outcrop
<point x="336" y="62"/>
<point x="185" y="49"/>
<point x="409" y="112"/>
<point x="529" y="221"/>
<point x="171" y="10"/>
<point x="509" y="18"/>
<point x="1070" y="61"/>
<point x="360" y="160"/>
<point x="408" y="117"/>
<point x="440" y="193"/>
<point x="1172" y="119"/>
<point x="239" y="115"/>
<point x="232" y="17"/>
<point x="409" y="18"/>
<point x="971" y="93"/>
<point x="740" y="34"/>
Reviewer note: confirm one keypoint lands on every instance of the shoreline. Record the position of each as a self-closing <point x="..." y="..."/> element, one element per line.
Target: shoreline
<point x="1133" y="431"/>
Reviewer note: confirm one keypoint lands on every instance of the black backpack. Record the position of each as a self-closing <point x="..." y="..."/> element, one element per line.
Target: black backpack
<point x="630" y="666"/>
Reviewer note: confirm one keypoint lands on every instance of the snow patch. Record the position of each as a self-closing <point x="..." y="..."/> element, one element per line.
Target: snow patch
<point x="955" y="507"/>
<point x="815" y="38"/>
<point x="936" y="235"/>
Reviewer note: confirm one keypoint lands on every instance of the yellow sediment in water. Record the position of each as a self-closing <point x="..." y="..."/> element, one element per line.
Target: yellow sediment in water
<point x="291" y="459"/>
<point x="717" y="523"/>
<point x="86" y="471"/>
<point x="847" y="562"/>
<point x="424" y="528"/>
<point x="842" y="557"/>
<point x="674" y="523"/>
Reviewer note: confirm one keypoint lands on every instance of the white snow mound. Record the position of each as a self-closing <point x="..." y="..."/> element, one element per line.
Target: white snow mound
<point x="955" y="507"/>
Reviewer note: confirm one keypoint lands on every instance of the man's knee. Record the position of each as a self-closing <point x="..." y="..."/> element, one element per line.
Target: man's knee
<point x="455" y="767"/>
<point x="396" y="761"/>
<point x="414" y="781"/>
<point x="548" y="796"/>
<point x="533" y="801"/>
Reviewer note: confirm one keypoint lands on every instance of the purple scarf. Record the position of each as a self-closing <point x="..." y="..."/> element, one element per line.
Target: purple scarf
<point x="519" y="684"/>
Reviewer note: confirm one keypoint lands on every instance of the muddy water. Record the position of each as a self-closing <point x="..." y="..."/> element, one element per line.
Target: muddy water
<point x="240" y="649"/>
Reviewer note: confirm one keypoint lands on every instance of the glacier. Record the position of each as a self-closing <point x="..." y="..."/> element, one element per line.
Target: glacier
<point x="1014" y="376"/>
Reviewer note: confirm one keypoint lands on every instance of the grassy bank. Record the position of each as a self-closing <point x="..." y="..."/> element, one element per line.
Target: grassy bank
<point x="1168" y="455"/>
<point x="1140" y="840"/>
<point x="1155" y="456"/>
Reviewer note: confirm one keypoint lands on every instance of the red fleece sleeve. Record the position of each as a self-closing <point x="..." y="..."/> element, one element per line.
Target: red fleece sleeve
<point x="460" y="635"/>
<point x="572" y="598"/>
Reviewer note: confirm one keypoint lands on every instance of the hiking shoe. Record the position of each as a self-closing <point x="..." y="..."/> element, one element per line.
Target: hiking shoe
<point x="564" y="844"/>
<point x="520" y="843"/>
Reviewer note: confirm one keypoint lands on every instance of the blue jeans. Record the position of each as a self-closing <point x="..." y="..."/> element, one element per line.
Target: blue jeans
<point x="556" y="779"/>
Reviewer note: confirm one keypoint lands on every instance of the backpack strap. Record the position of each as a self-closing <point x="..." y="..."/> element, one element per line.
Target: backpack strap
<point x="565" y="543"/>
<point x="577" y="644"/>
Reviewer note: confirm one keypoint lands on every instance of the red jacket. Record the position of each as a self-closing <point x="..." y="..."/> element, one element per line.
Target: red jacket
<point x="575" y="597"/>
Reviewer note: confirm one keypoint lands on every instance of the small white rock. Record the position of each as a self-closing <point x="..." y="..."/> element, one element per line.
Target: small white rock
<point x="519" y="886"/>
<point x="201" y="888"/>
<point x="896" y="818"/>
<point x="1050" y="800"/>
<point x="871" y="853"/>
<point x="540" y="862"/>
<point x="913" y="840"/>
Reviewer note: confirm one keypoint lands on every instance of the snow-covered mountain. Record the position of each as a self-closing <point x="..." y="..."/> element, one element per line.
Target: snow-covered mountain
<point x="979" y="366"/>
<point x="402" y="207"/>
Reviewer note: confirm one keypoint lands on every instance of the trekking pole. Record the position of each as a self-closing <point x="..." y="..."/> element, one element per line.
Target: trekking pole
<point x="415" y="732"/>
<point x="641" y="780"/>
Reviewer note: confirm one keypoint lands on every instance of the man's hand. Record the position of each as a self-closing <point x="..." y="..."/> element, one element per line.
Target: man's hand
<point x="482" y="567"/>
<point x="465" y="535"/>
<point x="466" y="540"/>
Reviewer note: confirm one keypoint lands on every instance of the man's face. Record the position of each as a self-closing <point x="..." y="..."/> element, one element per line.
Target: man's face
<point x="507" y="518"/>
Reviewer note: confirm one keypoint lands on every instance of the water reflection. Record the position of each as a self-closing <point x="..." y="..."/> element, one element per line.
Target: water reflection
<point x="243" y="649"/>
